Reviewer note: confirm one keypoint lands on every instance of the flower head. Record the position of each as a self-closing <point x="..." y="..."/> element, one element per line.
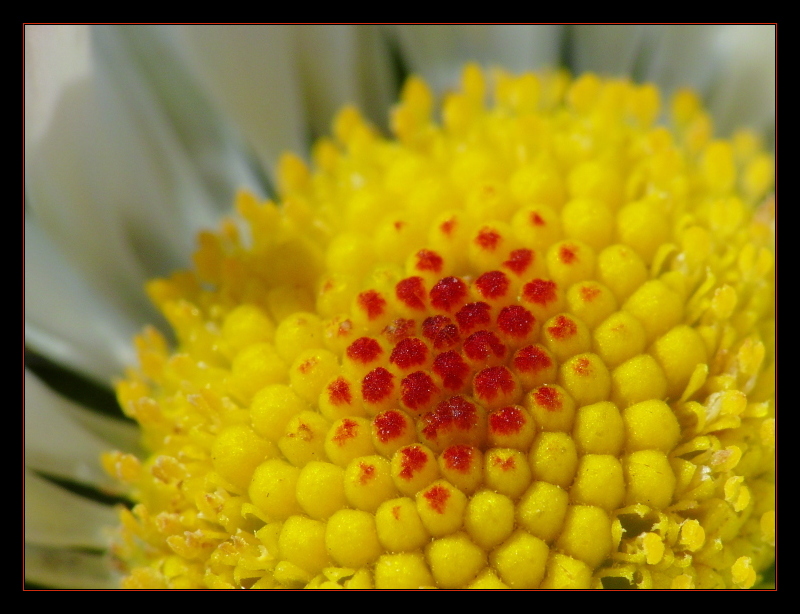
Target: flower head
<point x="527" y="345"/>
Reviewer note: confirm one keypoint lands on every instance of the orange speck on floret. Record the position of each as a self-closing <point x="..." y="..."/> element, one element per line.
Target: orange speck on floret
<point x="507" y="421"/>
<point x="532" y="358"/>
<point x="515" y="321"/>
<point x="428" y="260"/>
<point x="562" y="328"/>
<point x="411" y="292"/>
<point x="437" y="497"/>
<point x="459" y="458"/>
<point x="492" y="285"/>
<point x="409" y="353"/>
<point x="520" y="260"/>
<point x="346" y="430"/>
<point x="389" y="425"/>
<point x="484" y="346"/>
<point x="451" y="369"/>
<point x="589" y="293"/>
<point x="418" y="390"/>
<point x="366" y="473"/>
<point x="339" y="392"/>
<point x="568" y="253"/>
<point x="549" y="398"/>
<point x="373" y="304"/>
<point x="542" y="291"/>
<point x="377" y="385"/>
<point x="488" y="239"/>
<point x="364" y="350"/>
<point x="451" y="418"/>
<point x="399" y="329"/>
<point x="473" y="316"/>
<point x="448" y="226"/>
<point x="441" y="332"/>
<point x="413" y="459"/>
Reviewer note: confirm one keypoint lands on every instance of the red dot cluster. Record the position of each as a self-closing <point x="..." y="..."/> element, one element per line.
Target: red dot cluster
<point x="456" y="364"/>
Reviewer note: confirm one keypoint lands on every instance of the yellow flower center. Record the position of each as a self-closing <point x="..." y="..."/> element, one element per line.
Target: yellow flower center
<point x="529" y="347"/>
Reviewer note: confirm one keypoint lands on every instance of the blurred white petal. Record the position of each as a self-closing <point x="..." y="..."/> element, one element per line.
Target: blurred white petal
<point x="78" y="523"/>
<point x="438" y="52"/>
<point x="341" y="65"/>
<point x="208" y="140"/>
<point x="108" y="177"/>
<point x="66" y="568"/>
<point x="57" y="443"/>
<point x="283" y="84"/>
<point x="251" y="72"/>
<point x="56" y="57"/>
<point x="744" y="91"/>
<point x="67" y="320"/>
<point x="732" y="66"/>
<point x="608" y="49"/>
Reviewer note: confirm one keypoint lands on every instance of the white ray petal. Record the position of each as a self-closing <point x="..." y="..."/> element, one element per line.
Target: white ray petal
<point x="58" y="444"/>
<point x="55" y="517"/>
<point x="107" y="176"/>
<point x="378" y="88"/>
<point x="207" y="139"/>
<point x="251" y="72"/>
<point x="67" y="320"/>
<point x="608" y="49"/>
<point x="56" y="56"/>
<point x="438" y="52"/>
<point x="66" y="568"/>
<point x="680" y="57"/>
<point x="119" y="434"/>
<point x="340" y="65"/>
<point x="744" y="91"/>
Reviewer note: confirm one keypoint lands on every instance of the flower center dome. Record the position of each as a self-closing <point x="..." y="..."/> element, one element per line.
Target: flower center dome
<point x="530" y="347"/>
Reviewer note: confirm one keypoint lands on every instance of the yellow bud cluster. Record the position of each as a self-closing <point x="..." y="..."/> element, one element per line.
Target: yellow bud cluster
<point x="531" y="346"/>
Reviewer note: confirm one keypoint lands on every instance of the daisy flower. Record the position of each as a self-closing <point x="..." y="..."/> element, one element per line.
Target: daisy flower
<point x="532" y="331"/>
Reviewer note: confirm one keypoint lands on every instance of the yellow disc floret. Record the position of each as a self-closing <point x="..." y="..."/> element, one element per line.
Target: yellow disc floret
<point x="531" y="346"/>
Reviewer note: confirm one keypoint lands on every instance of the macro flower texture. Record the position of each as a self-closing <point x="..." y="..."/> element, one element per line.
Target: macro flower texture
<point x="494" y="308"/>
